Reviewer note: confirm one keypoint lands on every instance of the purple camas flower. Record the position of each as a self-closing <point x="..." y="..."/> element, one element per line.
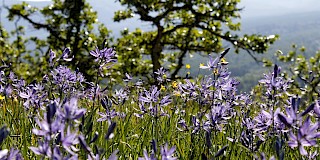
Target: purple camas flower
<point x="223" y="72"/>
<point x="165" y="101"/>
<point x="290" y="118"/>
<point x="46" y="129"/>
<point x="152" y="155"/>
<point x="19" y="84"/>
<point x="96" y="53"/>
<point x="52" y="55"/>
<point x="29" y="95"/>
<point x="2" y="77"/>
<point x="205" y="84"/>
<point x="66" y="55"/>
<point x="3" y="154"/>
<point x="230" y="85"/>
<point x="33" y="94"/>
<point x="211" y="64"/>
<point x="122" y="95"/>
<point x="263" y="157"/>
<point x="69" y="140"/>
<point x="8" y="90"/>
<point x="43" y="149"/>
<point x="14" y="154"/>
<point x="108" y="115"/>
<point x="84" y="144"/>
<point x="215" y="97"/>
<point x="273" y="81"/>
<point x="317" y="108"/>
<point x="248" y="139"/>
<point x="139" y="83"/>
<point x="248" y="123"/>
<point x="152" y="98"/>
<point x="313" y="155"/>
<point x="106" y="103"/>
<point x="166" y="153"/>
<point x="94" y="90"/>
<point x="56" y="134"/>
<point x="142" y="109"/>
<point x="306" y="136"/>
<point x="189" y="89"/>
<point x="113" y="156"/>
<point x="59" y="156"/>
<point x="146" y="156"/>
<point x="205" y="91"/>
<point x="12" y="77"/>
<point x="263" y="121"/>
<point x="66" y="79"/>
<point x="127" y="78"/>
<point x="293" y="116"/>
<point x="38" y="87"/>
<point x="248" y="136"/>
<point x="161" y="75"/>
<point x="183" y="124"/>
<point x="196" y="124"/>
<point x="70" y="110"/>
<point x="219" y="114"/>
<point x="104" y="56"/>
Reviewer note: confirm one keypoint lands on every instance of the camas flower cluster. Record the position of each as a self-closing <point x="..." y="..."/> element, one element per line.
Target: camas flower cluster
<point x="53" y="102"/>
<point x="75" y="119"/>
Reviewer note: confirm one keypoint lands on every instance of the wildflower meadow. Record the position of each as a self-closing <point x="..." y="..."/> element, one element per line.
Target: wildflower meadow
<point x="64" y="116"/>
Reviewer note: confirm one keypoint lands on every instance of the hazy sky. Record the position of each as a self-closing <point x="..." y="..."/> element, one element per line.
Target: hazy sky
<point x="252" y="9"/>
<point x="261" y="8"/>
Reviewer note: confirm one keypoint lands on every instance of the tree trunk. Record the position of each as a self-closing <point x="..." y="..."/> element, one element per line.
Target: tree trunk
<point x="184" y="51"/>
<point x="156" y="50"/>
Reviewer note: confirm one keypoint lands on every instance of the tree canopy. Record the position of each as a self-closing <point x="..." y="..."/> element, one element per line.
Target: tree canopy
<point x="69" y="24"/>
<point x="182" y="27"/>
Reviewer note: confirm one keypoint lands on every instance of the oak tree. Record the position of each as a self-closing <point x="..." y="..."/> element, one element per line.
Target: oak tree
<point x="181" y="27"/>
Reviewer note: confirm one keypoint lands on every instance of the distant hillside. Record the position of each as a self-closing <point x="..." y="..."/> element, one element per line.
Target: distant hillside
<point x="301" y="29"/>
